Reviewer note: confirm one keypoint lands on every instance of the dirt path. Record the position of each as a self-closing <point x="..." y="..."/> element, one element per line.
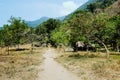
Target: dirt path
<point x="53" y="70"/>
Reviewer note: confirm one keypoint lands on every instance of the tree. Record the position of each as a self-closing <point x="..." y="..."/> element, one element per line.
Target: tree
<point x="47" y="26"/>
<point x="1" y="39"/>
<point x="13" y="33"/>
<point x="106" y="3"/>
<point x="93" y="6"/>
<point x="41" y="29"/>
<point x="8" y="36"/>
<point x="99" y="4"/>
<point x="115" y="20"/>
<point x="118" y="34"/>
<point x="18" y="28"/>
<point x="60" y="36"/>
<point x="31" y="37"/>
<point x="45" y="29"/>
<point x="102" y="31"/>
<point x="79" y="26"/>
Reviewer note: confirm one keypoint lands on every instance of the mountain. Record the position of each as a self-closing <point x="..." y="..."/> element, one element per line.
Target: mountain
<point x="1" y="28"/>
<point x="61" y="18"/>
<point x="82" y="7"/>
<point x="112" y="6"/>
<point x="36" y="22"/>
<point x="41" y="20"/>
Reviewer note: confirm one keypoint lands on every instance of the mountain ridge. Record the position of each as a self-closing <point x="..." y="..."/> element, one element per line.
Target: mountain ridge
<point x="84" y="6"/>
<point x="37" y="22"/>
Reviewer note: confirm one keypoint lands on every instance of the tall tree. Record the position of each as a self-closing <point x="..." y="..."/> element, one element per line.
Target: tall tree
<point x="1" y="39"/>
<point x="18" y="28"/>
<point x="8" y="38"/>
<point x="79" y="26"/>
<point x="45" y="29"/>
<point x="102" y="31"/>
<point x="31" y="37"/>
<point x="115" y="20"/>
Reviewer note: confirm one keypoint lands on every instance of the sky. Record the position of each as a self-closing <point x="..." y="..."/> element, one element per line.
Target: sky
<point x="31" y="10"/>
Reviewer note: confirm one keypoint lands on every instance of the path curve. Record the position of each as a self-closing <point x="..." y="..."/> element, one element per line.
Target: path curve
<point x="53" y="70"/>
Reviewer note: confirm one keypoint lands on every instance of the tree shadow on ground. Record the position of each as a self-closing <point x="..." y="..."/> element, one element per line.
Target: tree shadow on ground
<point x="19" y="49"/>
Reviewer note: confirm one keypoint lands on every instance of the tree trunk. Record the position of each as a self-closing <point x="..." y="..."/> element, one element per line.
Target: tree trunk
<point x="87" y="49"/>
<point x="107" y="51"/>
<point x="18" y="47"/>
<point x="1" y="50"/>
<point x="118" y="50"/>
<point x="31" y="48"/>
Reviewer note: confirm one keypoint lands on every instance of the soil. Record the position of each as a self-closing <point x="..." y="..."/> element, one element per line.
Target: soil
<point x="52" y="70"/>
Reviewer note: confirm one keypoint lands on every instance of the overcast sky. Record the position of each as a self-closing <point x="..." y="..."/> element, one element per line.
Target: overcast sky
<point x="30" y="10"/>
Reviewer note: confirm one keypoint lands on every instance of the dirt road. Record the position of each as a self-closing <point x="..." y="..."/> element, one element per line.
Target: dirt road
<point x="53" y="70"/>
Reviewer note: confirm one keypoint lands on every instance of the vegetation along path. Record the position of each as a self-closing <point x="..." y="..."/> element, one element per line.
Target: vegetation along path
<point x="53" y="70"/>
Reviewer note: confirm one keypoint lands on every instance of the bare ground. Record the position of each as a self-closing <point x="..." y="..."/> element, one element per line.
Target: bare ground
<point x="53" y="70"/>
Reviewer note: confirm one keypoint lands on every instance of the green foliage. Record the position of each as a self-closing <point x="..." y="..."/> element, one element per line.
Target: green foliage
<point x="1" y="38"/>
<point x="18" y="27"/>
<point x="13" y="33"/>
<point x="60" y="37"/>
<point x="79" y="25"/>
<point x="8" y="35"/>
<point x="115" y="20"/>
<point x="45" y="29"/>
<point x="106" y="3"/>
<point x="93" y="6"/>
<point x="47" y="26"/>
<point x="99" y="4"/>
<point x="41" y="29"/>
<point x="101" y="29"/>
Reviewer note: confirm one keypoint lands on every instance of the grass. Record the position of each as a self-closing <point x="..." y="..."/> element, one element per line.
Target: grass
<point x="91" y="65"/>
<point x="20" y="65"/>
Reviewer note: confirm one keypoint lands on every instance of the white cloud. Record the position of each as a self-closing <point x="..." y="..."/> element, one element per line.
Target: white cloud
<point x="68" y="7"/>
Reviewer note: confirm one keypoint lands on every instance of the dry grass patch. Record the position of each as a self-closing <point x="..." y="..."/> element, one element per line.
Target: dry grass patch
<point x="21" y="65"/>
<point x="92" y="66"/>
